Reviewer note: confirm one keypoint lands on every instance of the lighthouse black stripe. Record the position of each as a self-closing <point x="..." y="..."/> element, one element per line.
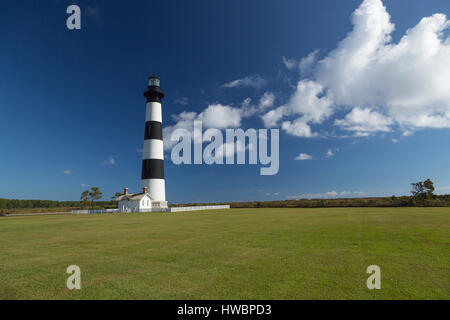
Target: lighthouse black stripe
<point x="153" y="130"/>
<point x="153" y="169"/>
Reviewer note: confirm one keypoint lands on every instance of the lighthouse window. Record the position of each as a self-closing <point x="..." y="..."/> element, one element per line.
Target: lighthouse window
<point x="154" y="82"/>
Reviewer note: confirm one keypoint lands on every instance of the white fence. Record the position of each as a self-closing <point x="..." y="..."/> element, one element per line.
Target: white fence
<point x="173" y="209"/>
<point x="95" y="211"/>
<point x="193" y="208"/>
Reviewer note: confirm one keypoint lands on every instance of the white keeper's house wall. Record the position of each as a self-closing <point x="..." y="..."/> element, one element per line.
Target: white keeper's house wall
<point x="134" y="202"/>
<point x="135" y="205"/>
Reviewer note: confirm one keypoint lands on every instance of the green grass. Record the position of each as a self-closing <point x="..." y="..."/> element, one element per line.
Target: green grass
<point x="229" y="254"/>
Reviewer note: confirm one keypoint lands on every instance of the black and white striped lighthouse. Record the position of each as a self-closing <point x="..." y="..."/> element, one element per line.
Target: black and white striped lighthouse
<point x="153" y="154"/>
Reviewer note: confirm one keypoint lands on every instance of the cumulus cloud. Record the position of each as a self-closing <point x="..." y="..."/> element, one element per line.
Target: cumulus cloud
<point x="220" y="117"/>
<point x="217" y="116"/>
<point x="298" y="128"/>
<point x="289" y="63"/>
<point x="381" y="85"/>
<point x="272" y="117"/>
<point x="214" y="116"/>
<point x="328" y="194"/>
<point x="228" y="149"/>
<point x="307" y="63"/>
<point x="67" y="171"/>
<point x="183" y="120"/>
<point x="307" y="103"/>
<point x="248" y="109"/>
<point x="365" y="121"/>
<point x="182" y="100"/>
<point x="255" y="81"/>
<point x="304" y="156"/>
<point x="330" y="153"/>
<point x="110" y="161"/>
<point x="266" y="101"/>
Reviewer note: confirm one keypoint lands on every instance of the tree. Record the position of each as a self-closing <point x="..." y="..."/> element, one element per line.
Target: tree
<point x="423" y="190"/>
<point x="429" y="186"/>
<point x="84" y="197"/>
<point x="418" y="190"/>
<point x="116" y="195"/>
<point x="95" y="194"/>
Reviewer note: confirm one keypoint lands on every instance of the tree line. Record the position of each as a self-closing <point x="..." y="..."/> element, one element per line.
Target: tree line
<point x="26" y="204"/>
<point x="88" y="199"/>
<point x="422" y="194"/>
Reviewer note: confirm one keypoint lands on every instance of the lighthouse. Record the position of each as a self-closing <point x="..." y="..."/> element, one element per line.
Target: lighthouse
<point x="153" y="151"/>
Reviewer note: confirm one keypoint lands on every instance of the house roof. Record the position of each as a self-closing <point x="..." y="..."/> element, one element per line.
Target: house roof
<point x="133" y="196"/>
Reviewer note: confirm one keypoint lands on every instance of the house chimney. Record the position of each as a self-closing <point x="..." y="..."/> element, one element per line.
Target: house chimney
<point x="125" y="191"/>
<point x="145" y="190"/>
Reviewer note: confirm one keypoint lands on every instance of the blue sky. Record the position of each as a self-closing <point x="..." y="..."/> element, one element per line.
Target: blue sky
<point x="73" y="113"/>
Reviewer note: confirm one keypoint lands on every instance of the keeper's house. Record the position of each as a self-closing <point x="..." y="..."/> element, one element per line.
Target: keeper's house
<point x="135" y="202"/>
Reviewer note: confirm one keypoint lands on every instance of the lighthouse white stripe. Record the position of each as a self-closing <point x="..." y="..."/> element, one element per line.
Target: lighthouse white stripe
<point x="153" y="149"/>
<point x="153" y="112"/>
<point x="156" y="188"/>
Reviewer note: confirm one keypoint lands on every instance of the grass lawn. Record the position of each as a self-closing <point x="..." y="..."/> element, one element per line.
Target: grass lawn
<point x="229" y="254"/>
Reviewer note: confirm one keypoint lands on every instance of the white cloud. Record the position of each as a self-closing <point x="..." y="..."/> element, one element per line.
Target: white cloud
<point x="365" y="121"/>
<point x="184" y="120"/>
<point x="306" y="103"/>
<point x="266" y="101"/>
<point x="85" y="185"/>
<point x="67" y="171"/>
<point x="247" y="109"/>
<point x="304" y="156"/>
<point x="307" y="63"/>
<point x="298" y="128"/>
<point x="214" y="116"/>
<point x="220" y="116"/>
<point x="384" y="85"/>
<point x="182" y="100"/>
<point x="330" y="153"/>
<point x="229" y="149"/>
<point x="272" y="117"/>
<point x="289" y="63"/>
<point x="255" y="81"/>
<point x="110" y="161"/>
<point x="328" y="194"/>
<point x="184" y="116"/>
